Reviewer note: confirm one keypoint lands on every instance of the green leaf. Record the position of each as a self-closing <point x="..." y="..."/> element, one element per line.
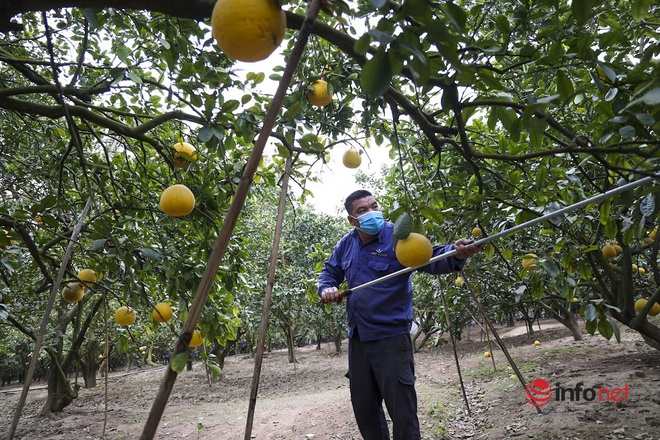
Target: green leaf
<point x="628" y="235"/>
<point x="376" y="74"/>
<point x="282" y="150"/>
<point x="605" y="328"/>
<point x="215" y="370"/>
<point x="178" y="362"/>
<point x="361" y="46"/>
<point x="230" y="106"/>
<point x="611" y="228"/>
<point x="122" y="53"/>
<point x="432" y="214"/>
<point x="551" y="268"/>
<point x="90" y="16"/>
<point x="98" y="245"/>
<point x="617" y="330"/>
<point x="150" y="254"/>
<point x="205" y="133"/>
<point x="134" y="76"/>
<point x="456" y="14"/>
<point x="403" y="226"/>
<point x="651" y="97"/>
<point x="605" y="210"/>
<point x="564" y="85"/>
<point x="418" y="9"/>
<point x="640" y="9"/>
<point x="590" y="313"/>
<point x="590" y="326"/>
<point x="536" y="127"/>
<point x="582" y="10"/>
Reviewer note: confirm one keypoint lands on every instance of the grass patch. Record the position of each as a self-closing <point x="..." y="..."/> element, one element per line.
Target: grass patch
<point x="439" y="415"/>
<point x="563" y="351"/>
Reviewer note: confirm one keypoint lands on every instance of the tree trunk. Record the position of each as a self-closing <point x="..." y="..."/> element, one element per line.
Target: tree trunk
<point x="89" y="369"/>
<point x="148" y="358"/>
<point x="529" y="323"/>
<point x="337" y="338"/>
<point x="566" y="317"/>
<point x="290" y="343"/>
<point x="129" y="361"/>
<point x="60" y="392"/>
<point x="650" y="332"/>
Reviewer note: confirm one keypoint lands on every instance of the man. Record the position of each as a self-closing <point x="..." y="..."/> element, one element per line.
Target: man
<point x="380" y="355"/>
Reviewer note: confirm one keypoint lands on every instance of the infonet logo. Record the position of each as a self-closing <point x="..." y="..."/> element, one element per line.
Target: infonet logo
<point x="539" y="393"/>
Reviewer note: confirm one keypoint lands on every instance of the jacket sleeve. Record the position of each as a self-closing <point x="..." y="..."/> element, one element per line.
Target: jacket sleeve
<point x="446" y="265"/>
<point x="332" y="274"/>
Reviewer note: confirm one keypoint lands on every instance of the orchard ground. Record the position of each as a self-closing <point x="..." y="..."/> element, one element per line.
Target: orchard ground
<point x="310" y="400"/>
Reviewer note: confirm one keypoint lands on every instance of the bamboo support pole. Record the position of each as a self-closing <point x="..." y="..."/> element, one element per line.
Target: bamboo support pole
<point x="54" y="294"/>
<point x="497" y="337"/>
<point x="228" y="225"/>
<point x="453" y="344"/>
<point x="258" y="360"/>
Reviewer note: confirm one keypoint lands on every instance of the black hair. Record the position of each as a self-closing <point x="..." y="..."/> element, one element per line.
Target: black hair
<point x="355" y="195"/>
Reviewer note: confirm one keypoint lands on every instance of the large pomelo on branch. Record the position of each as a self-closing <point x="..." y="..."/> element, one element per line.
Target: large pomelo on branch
<point x="125" y="316"/>
<point x="414" y="250"/>
<point x="177" y="200"/>
<point x="248" y="30"/>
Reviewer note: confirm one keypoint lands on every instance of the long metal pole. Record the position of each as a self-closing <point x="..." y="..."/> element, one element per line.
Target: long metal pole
<point x="557" y="213"/>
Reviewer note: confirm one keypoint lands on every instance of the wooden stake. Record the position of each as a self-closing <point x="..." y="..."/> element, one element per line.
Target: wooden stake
<point x="54" y="294"/>
<point x="497" y="338"/>
<point x="453" y="344"/>
<point x="228" y="225"/>
<point x="258" y="360"/>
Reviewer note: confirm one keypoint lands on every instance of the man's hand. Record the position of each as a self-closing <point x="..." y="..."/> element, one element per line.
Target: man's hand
<point x="465" y="248"/>
<point x="330" y="294"/>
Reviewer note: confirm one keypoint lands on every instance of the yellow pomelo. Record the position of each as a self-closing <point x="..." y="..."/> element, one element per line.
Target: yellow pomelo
<point x="609" y="251"/>
<point x="162" y="312"/>
<point x="351" y="158"/>
<point x="87" y="277"/>
<point x="529" y="261"/>
<point x="196" y="339"/>
<point x="177" y="200"/>
<point x="414" y="250"/>
<point x="185" y="153"/>
<point x="248" y="30"/>
<point x="73" y="292"/>
<point x="640" y="303"/>
<point x="655" y="310"/>
<point x="125" y="316"/>
<point x="477" y="232"/>
<point x="318" y="93"/>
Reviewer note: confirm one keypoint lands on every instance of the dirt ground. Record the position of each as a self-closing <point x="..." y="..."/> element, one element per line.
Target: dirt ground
<point x="311" y="399"/>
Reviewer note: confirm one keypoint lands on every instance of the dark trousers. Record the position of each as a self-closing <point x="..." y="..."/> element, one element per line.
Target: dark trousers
<point x="380" y="371"/>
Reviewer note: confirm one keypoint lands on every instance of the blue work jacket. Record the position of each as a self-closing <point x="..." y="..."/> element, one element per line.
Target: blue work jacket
<point x="384" y="309"/>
